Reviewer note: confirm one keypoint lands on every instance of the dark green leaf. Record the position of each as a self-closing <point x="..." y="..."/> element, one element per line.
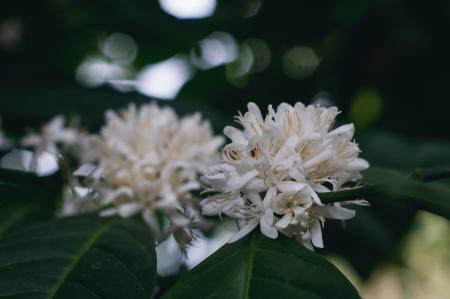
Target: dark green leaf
<point x="13" y="214"/>
<point x="25" y="199"/>
<point x="431" y="174"/>
<point x="431" y="197"/>
<point x="258" y="267"/>
<point x="80" y="257"/>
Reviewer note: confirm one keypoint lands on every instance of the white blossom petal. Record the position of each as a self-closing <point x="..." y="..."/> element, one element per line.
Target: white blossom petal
<point x="291" y="186"/>
<point x="357" y="165"/>
<point x="85" y="170"/>
<point x="284" y="221"/>
<point x="334" y="212"/>
<point x="235" y="135"/>
<point x="244" y="231"/>
<point x="267" y="228"/>
<point x="316" y="234"/>
<point x="128" y="209"/>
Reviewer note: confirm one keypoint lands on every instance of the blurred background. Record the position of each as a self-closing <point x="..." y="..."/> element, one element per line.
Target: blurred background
<point x="384" y="63"/>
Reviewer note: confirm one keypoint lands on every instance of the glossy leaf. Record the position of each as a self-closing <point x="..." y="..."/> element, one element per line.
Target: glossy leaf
<point x="80" y="257"/>
<point x="258" y="267"/>
<point x="381" y="184"/>
<point x="24" y="199"/>
<point x="432" y="197"/>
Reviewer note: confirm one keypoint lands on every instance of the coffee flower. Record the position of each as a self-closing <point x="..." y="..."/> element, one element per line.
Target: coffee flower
<point x="149" y="164"/>
<point x="52" y="135"/>
<point x="275" y="169"/>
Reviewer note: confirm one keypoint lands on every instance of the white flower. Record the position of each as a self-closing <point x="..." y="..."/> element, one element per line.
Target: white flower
<point x="5" y="142"/>
<point x="149" y="161"/>
<point x="288" y="158"/>
<point x="52" y="135"/>
<point x="78" y="200"/>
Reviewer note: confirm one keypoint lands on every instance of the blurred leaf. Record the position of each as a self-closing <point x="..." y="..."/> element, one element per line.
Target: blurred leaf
<point x="432" y="197"/>
<point x="25" y="199"/>
<point x="376" y="231"/>
<point x="390" y="185"/>
<point x="13" y="214"/>
<point x="82" y="257"/>
<point x="379" y="229"/>
<point x="431" y="174"/>
<point x="258" y="267"/>
<point x="403" y="154"/>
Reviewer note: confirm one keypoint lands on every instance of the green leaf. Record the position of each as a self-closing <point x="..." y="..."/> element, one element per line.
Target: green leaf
<point x="80" y="257"/>
<point x="388" y="185"/>
<point x="24" y="199"/>
<point x="347" y="194"/>
<point x="431" y="174"/>
<point x="15" y="214"/>
<point x="258" y="267"/>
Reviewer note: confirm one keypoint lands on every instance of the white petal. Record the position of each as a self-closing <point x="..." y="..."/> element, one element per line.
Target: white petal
<point x="357" y="165"/>
<point x="347" y="129"/>
<point x="267" y="229"/>
<point x="286" y="163"/>
<point x="85" y="170"/>
<point x="120" y="192"/>
<point x="323" y="156"/>
<point x="210" y="209"/>
<point x="126" y="210"/>
<point x="320" y="188"/>
<point x="287" y="149"/>
<point x="296" y="175"/>
<point x="269" y="197"/>
<point x="316" y="234"/>
<point x="268" y="216"/>
<point x="311" y="136"/>
<point x="290" y="186"/>
<point x="256" y="184"/>
<point x="314" y="196"/>
<point x="255" y="198"/>
<point x="254" y="109"/>
<point x="307" y="244"/>
<point x="108" y="212"/>
<point x="192" y="185"/>
<point x="334" y="212"/>
<point x="240" y="181"/>
<point x="235" y="135"/>
<point x="244" y="231"/>
<point x="179" y="220"/>
<point x="284" y="221"/>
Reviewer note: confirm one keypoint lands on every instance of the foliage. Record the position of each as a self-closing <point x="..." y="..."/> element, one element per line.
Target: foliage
<point x="382" y="62"/>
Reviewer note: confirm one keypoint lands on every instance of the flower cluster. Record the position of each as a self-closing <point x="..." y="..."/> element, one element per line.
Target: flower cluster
<point x="146" y="161"/>
<point x="276" y="167"/>
<point x="149" y="161"/>
<point x="52" y="135"/>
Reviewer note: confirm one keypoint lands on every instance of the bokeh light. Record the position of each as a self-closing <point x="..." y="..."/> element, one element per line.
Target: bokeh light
<point x="96" y="71"/>
<point x="119" y="47"/>
<point x="112" y="65"/>
<point x="237" y="70"/>
<point x="300" y="62"/>
<point x="189" y="9"/>
<point x="366" y="107"/>
<point x="165" y="79"/>
<point x="251" y="8"/>
<point x="217" y="49"/>
<point x="261" y="54"/>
